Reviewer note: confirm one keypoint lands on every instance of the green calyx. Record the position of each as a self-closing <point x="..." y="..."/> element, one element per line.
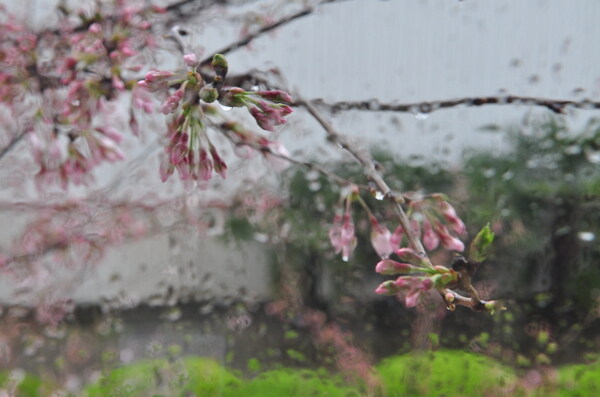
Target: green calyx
<point x="220" y="65"/>
<point x="209" y="94"/>
<point x="480" y="246"/>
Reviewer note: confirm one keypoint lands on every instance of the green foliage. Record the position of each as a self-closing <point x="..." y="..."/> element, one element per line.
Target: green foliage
<point x="293" y="383"/>
<point x="481" y="244"/>
<point x="239" y="228"/>
<point x="542" y="194"/>
<point x="24" y="385"/>
<point x="159" y="377"/>
<point x="579" y="380"/>
<point x="545" y="160"/>
<point x="445" y="373"/>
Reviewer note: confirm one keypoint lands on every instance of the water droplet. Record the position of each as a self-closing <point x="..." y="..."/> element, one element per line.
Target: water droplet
<point x="379" y="195"/>
<point x="508" y="175"/>
<point x="593" y="156"/>
<point x="126" y="355"/>
<point x="172" y="315"/>
<point x="586" y="236"/>
<point x="261" y="237"/>
<point x="421" y="116"/>
<point x="314" y="186"/>
<point x="573" y="149"/>
<point x="312" y="175"/>
<point x="489" y="173"/>
<point x="206" y="309"/>
<point x="225" y="108"/>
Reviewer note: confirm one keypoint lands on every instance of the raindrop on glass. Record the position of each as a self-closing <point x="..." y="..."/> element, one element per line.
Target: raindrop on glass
<point x="126" y="355"/>
<point x="586" y="236"/>
<point x="508" y="175"/>
<point x="261" y="237"/>
<point x="489" y="173"/>
<point x="593" y="156"/>
<point x="573" y="150"/>
<point x="314" y="186"/>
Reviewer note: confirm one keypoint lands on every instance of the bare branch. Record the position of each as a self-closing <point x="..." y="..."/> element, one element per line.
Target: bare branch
<point x="558" y="106"/>
<point x="15" y="139"/>
<point x="265" y="29"/>
<point x="307" y="164"/>
<point x="246" y="40"/>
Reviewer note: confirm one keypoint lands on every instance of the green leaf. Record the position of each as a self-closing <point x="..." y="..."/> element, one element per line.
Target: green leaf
<point x="481" y="244"/>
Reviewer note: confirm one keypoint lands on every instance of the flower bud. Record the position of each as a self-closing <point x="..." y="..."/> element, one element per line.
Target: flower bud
<point x="190" y="59"/>
<point x="431" y="239"/>
<point x="220" y="65"/>
<point x="387" y="288"/>
<point x="275" y="96"/>
<point x="389" y="267"/>
<point x="208" y="94"/>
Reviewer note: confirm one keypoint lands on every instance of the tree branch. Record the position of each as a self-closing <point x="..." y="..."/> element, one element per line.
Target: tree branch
<point x="265" y="29"/>
<point x="555" y="105"/>
<point x="15" y="139"/>
<point x="372" y="172"/>
<point x="306" y="164"/>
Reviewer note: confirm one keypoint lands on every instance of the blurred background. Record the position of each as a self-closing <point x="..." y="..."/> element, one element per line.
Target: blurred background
<point x="258" y="288"/>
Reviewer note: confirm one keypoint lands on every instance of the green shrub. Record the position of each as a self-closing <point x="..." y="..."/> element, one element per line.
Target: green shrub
<point x="23" y="385"/>
<point x="445" y="373"/>
<point x="200" y="376"/>
<point x="579" y="380"/>
<point x="293" y="383"/>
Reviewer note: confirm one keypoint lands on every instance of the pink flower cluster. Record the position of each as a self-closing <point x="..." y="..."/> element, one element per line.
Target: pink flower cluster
<point x="77" y="73"/>
<point x="111" y="42"/>
<point x="416" y="277"/>
<point x="269" y="108"/>
<point x="411" y="286"/>
<point x="383" y="240"/>
<point x="416" y="273"/>
<point x="274" y="152"/>
<point x="342" y="233"/>
<point x="435" y="220"/>
<point x="73" y="164"/>
<point x="190" y="152"/>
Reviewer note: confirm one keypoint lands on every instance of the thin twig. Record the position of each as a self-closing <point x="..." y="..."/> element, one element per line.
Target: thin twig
<point x="247" y="39"/>
<point x="555" y="105"/>
<point x="16" y="139"/>
<point x="306" y="164"/>
<point x="265" y="29"/>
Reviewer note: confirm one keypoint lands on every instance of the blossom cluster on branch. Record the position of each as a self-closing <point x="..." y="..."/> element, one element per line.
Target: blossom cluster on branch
<point x="432" y="219"/>
<point x="187" y="95"/>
